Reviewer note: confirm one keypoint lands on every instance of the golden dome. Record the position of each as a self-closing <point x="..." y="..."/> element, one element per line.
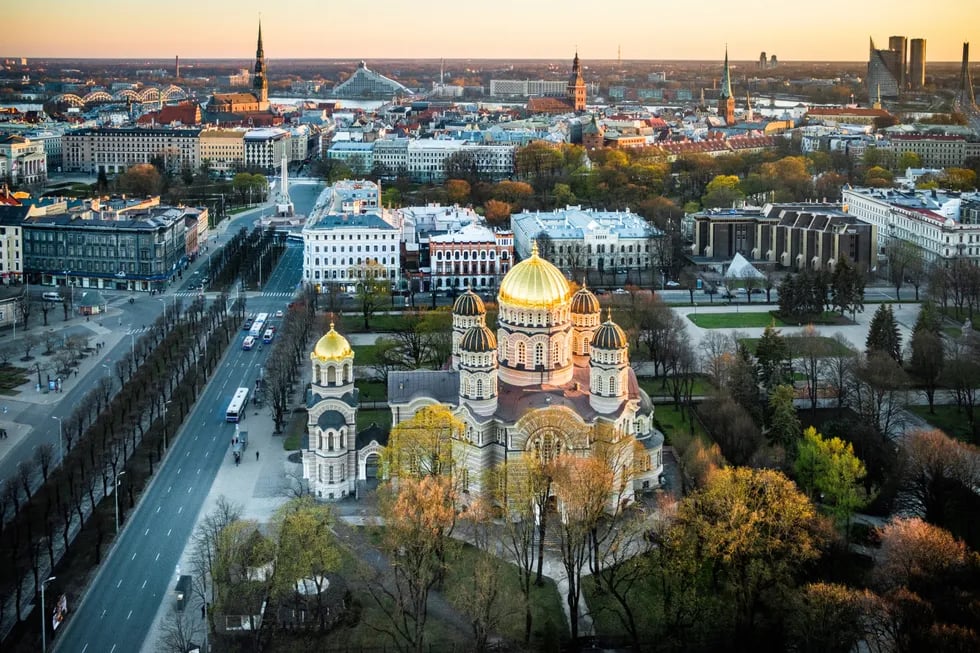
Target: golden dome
<point x="332" y="346"/>
<point x="469" y="304"/>
<point x="534" y="283"/>
<point x="585" y="303"/>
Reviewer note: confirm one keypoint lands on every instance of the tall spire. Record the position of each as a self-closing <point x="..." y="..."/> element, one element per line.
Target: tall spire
<point x="726" y="78"/>
<point x="260" y="83"/>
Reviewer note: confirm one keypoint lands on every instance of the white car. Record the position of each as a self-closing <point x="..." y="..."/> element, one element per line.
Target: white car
<point x="620" y="291"/>
<point x="279" y="313"/>
<point x="673" y="284"/>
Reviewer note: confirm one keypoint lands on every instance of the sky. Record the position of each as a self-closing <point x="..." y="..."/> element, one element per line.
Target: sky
<point x="829" y="30"/>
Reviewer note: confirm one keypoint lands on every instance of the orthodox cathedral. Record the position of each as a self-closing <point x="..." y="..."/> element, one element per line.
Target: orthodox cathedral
<point x="552" y="372"/>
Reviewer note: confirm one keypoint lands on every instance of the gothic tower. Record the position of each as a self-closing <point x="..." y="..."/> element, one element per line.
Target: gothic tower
<point x="260" y="84"/>
<point x="575" y="91"/>
<point x="726" y="101"/>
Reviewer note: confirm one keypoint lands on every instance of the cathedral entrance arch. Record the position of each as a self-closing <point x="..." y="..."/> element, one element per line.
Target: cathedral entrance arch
<point x="550" y="433"/>
<point x="372" y="463"/>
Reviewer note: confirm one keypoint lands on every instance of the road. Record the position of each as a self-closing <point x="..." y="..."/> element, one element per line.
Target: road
<point x="120" y="605"/>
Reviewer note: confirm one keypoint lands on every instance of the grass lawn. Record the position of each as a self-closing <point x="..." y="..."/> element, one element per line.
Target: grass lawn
<point x="832" y="347"/>
<point x="365" y="354"/>
<point x="670" y="420"/>
<point x="354" y="323"/>
<point x="745" y="320"/>
<point x="371" y="390"/>
<point x="948" y="419"/>
<point x="12" y="376"/>
<point x="656" y="388"/>
<point x="381" y="417"/>
<point x="294" y="430"/>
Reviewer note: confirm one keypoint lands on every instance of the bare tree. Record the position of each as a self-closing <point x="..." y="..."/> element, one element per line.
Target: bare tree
<point x="205" y="543"/>
<point x="179" y="630"/>
<point x="27" y="345"/>
<point x="25" y="470"/>
<point x="879" y="386"/>
<point x="839" y="365"/>
<point x="44" y="456"/>
<point x="45" y="309"/>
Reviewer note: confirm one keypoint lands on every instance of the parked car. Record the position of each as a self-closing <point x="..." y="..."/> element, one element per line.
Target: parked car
<point x="673" y="284"/>
<point x="620" y="291"/>
<point x="758" y="291"/>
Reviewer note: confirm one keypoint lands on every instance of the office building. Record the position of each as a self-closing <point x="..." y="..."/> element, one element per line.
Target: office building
<point x="473" y="257"/>
<point x="917" y="64"/>
<point x="341" y="248"/>
<point x="884" y="74"/>
<point x="899" y="45"/>
<point x="795" y="236"/>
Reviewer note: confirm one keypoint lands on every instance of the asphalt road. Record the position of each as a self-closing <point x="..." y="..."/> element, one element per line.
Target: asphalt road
<point x="119" y="608"/>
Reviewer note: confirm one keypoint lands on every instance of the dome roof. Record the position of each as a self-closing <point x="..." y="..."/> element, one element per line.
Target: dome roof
<point x="585" y="303"/>
<point x="478" y="339"/>
<point x="469" y="304"/>
<point x="332" y="346"/>
<point x="609" y="335"/>
<point x="534" y="283"/>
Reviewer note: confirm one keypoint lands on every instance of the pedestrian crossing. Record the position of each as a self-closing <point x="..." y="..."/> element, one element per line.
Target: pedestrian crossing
<point x="193" y="294"/>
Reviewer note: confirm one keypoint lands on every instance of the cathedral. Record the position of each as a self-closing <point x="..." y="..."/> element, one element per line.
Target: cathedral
<point x="552" y="361"/>
<point x="245" y="107"/>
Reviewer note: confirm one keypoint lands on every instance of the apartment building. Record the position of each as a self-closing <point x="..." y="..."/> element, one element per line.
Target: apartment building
<point x="944" y="225"/>
<point x="340" y="248"/>
<point x="116" y="149"/>
<point x="474" y="256"/>
<point x="265" y="148"/>
<point x="223" y="149"/>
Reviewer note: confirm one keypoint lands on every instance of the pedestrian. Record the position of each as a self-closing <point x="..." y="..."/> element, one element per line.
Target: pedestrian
<point x="256" y="455"/>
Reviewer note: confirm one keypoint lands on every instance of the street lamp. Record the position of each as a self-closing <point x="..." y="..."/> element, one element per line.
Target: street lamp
<point x="161" y="299"/>
<point x="61" y="440"/>
<point x="44" y="617"/>
<point x="165" y="404"/>
<point x="115" y="494"/>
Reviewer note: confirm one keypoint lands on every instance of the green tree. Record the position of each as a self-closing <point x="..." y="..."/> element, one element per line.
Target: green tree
<point x="959" y="179"/>
<point x="142" y="180"/>
<point x="772" y="358"/>
<point x="879" y="177"/>
<point x="908" y="160"/>
<point x="784" y="424"/>
<point x="883" y="334"/>
<point x="927" y="362"/>
<point x="847" y="287"/>
<point x="828" y="467"/>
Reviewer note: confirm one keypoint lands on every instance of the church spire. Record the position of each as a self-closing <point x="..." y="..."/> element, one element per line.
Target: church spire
<point x="260" y="83"/>
<point x="726" y="78"/>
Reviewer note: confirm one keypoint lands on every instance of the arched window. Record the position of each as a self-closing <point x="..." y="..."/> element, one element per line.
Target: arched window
<point x="520" y="353"/>
<point x="598" y="386"/>
<point x="555" y="352"/>
<point x="612" y="385"/>
<point x="329" y="440"/>
<point x="347" y="374"/>
<point x="539" y="354"/>
<point x="479" y="388"/>
<point x="331" y="375"/>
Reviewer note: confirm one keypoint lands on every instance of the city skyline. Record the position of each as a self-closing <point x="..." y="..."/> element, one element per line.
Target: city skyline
<point x="508" y="30"/>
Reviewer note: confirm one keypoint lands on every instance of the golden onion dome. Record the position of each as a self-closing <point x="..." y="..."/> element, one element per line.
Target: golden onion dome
<point x="534" y="283"/>
<point x="609" y="335"/>
<point x="332" y="346"/>
<point x="478" y="340"/>
<point x="585" y="303"/>
<point x="469" y="304"/>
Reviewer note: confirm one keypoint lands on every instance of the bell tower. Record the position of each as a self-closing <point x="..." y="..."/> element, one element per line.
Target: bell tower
<point x="575" y="91"/>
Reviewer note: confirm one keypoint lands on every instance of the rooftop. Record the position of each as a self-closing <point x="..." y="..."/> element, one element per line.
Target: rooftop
<point x="352" y="221"/>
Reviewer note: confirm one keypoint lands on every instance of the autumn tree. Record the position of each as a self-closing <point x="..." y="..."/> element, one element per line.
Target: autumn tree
<point x="829" y="467"/>
<point x="747" y="534"/>
<point x="722" y="191"/>
<point x="142" y="180"/>
<point x="419" y="516"/>
<point x="427" y="444"/>
<point x="829" y="618"/>
<point x="936" y="474"/>
<point x="497" y="213"/>
<point x="306" y="552"/>
<point x="458" y="191"/>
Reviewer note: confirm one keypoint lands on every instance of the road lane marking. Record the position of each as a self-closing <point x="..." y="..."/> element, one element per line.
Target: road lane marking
<point x="156" y="558"/>
<point x="85" y="648"/>
<point x="144" y="584"/>
<point x="158" y="508"/>
<point x="113" y="649"/>
<point x="189" y="489"/>
<point x="168" y="532"/>
<point x="147" y="532"/>
<point x="134" y="557"/>
<point x="178" y="469"/>
<point x="198" y="471"/>
<point x="102" y="616"/>
<point x="119" y="583"/>
<point x="180" y="510"/>
<point x="127" y="619"/>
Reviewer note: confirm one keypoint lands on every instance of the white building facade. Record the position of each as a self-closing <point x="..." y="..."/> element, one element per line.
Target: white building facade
<point x="475" y="257"/>
<point x="115" y="150"/>
<point x="264" y="148"/>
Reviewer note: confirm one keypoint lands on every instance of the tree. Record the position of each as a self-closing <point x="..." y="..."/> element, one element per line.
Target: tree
<point x="372" y="288"/>
<point x="750" y="532"/>
<point x="784" y="425"/>
<point x="828" y="467"/>
<point x="811" y="348"/>
<point x="927" y="361"/>
<point x="722" y="191"/>
<point x="913" y="551"/>
<point x="306" y="551"/>
<point x="904" y="259"/>
<point x="772" y="358"/>
<point x="142" y="180"/>
<point x="829" y="618"/>
<point x="458" y="191"/>
<point x="908" y="160"/>
<point x="936" y="469"/>
<point x="732" y="428"/>
<point x="883" y="334"/>
<point x="878" y="177"/>
<point x="497" y="213"/>
<point x="847" y="287"/>
<point x="179" y="630"/>
<point x="961" y="374"/>
<point x="419" y="516"/>
<point x="425" y="445"/>
<point x="878" y="391"/>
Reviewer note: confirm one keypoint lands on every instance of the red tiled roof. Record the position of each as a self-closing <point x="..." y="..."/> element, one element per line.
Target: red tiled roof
<point x="841" y="111"/>
<point x="186" y="113"/>
<point x="548" y="105"/>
